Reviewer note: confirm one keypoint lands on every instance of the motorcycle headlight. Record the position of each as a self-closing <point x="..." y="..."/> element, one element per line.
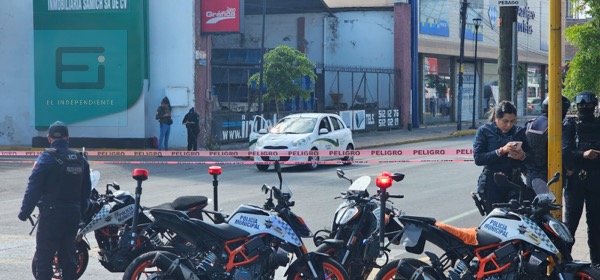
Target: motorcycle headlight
<point x="560" y="230"/>
<point x="300" y="142"/>
<point x="346" y="215"/>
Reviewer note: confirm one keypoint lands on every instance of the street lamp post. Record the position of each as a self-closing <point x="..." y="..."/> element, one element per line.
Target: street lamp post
<point x="477" y="22"/>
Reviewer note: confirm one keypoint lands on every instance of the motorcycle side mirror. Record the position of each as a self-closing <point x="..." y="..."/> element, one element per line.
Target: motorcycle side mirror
<point x="503" y="181"/>
<point x="277" y="166"/>
<point x="340" y="173"/>
<point x="554" y="178"/>
<point x="397" y="176"/>
<point x="265" y="188"/>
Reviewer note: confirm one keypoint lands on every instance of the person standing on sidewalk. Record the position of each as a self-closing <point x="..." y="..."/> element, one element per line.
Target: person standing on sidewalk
<point x="192" y="124"/>
<point x="537" y="138"/>
<point x="584" y="185"/>
<point x="501" y="147"/>
<point x="60" y="186"/>
<point x="163" y="115"/>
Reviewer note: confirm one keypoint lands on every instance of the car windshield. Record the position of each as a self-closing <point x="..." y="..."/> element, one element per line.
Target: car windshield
<point x="294" y="126"/>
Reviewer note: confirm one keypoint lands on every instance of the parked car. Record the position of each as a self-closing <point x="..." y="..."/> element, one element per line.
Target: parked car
<point x="304" y="134"/>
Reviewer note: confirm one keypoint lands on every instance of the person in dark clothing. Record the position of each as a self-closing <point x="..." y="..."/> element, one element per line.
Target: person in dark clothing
<point x="191" y="120"/>
<point x="496" y="147"/>
<point x="163" y="115"/>
<point x="537" y="138"/>
<point x="60" y="186"/>
<point x="583" y="186"/>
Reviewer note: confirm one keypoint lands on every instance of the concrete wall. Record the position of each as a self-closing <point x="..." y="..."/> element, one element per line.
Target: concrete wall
<point x="171" y="60"/>
<point x="16" y="72"/>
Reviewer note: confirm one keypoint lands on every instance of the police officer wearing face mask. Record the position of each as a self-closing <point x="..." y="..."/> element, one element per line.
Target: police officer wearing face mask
<point x="584" y="184"/>
<point x="60" y="186"/>
<point x="537" y="136"/>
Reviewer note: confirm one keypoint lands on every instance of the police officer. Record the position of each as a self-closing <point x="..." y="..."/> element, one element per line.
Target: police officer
<point x="501" y="147"/>
<point x="537" y="137"/>
<point x="583" y="185"/>
<point x="60" y="186"/>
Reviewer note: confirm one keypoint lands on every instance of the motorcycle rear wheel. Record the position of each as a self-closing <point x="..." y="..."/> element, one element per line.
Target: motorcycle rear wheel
<point x="83" y="259"/>
<point x="144" y="267"/>
<point x="392" y="271"/>
<point x="331" y="270"/>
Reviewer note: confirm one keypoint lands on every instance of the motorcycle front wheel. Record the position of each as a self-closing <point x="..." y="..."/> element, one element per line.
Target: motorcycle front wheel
<point x="83" y="258"/>
<point x="405" y="271"/>
<point x="329" y="269"/>
<point x="355" y="271"/>
<point x="588" y="273"/>
<point x="151" y="266"/>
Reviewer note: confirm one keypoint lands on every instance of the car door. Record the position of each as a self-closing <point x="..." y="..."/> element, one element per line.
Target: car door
<point x="257" y="124"/>
<point x="338" y="133"/>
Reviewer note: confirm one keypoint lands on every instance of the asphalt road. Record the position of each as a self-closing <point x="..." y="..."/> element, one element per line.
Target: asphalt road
<point x="435" y="189"/>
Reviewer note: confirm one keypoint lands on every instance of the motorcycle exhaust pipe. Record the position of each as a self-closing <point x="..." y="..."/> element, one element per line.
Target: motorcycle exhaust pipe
<point x="172" y="266"/>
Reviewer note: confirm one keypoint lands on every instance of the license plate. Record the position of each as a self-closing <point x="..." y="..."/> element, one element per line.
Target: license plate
<point x="274" y="158"/>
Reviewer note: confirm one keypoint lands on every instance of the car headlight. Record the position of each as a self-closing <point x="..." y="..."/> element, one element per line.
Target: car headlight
<point x="560" y="230"/>
<point x="300" y="142"/>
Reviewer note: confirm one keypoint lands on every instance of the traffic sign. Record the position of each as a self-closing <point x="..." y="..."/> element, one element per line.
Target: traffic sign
<point x="506" y="3"/>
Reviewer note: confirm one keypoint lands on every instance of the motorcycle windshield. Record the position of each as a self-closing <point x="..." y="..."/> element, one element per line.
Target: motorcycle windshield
<point x="360" y="184"/>
<point x="94" y="178"/>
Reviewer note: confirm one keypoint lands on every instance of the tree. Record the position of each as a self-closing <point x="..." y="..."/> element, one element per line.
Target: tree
<point x="284" y="68"/>
<point x="584" y="69"/>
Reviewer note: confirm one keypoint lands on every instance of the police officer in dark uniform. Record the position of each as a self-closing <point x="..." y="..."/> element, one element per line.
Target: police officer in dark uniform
<point x="60" y="186"/>
<point x="584" y="184"/>
<point x="495" y="147"/>
<point x="537" y="136"/>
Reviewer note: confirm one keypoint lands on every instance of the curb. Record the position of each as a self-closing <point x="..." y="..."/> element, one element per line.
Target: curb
<point x="425" y="139"/>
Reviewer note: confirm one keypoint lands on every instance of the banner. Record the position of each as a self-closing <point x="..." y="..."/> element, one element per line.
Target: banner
<point x="220" y="16"/>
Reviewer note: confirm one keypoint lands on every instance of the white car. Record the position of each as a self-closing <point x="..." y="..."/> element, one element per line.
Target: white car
<point x="304" y="133"/>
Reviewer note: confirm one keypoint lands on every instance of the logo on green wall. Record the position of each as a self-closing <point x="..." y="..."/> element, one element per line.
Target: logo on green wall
<point x="90" y="61"/>
<point x="81" y="75"/>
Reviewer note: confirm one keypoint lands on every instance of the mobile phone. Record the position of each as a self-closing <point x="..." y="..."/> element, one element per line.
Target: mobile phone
<point x="517" y="143"/>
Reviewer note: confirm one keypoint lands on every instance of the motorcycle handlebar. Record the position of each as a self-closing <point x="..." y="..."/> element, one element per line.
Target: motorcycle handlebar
<point x="395" y="195"/>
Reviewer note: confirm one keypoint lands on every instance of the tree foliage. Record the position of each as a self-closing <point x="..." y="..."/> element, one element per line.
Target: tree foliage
<point x="284" y="68"/>
<point x="584" y="69"/>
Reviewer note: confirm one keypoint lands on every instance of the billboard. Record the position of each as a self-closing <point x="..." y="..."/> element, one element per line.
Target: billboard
<point x="221" y="16"/>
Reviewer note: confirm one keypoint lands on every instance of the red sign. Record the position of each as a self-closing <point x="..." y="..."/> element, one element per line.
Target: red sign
<point x="221" y="16"/>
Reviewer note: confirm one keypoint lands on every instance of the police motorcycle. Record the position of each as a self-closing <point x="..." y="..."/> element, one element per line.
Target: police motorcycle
<point x="516" y="240"/>
<point x="252" y="244"/>
<point x="111" y="217"/>
<point x="353" y="239"/>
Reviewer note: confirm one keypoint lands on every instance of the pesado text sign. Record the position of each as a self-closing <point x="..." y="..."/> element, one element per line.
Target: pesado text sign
<point x="508" y="3"/>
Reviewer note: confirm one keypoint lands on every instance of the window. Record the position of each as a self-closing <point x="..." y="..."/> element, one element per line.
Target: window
<point x="336" y="123"/>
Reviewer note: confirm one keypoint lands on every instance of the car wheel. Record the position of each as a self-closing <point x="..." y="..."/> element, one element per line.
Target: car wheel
<point x="313" y="161"/>
<point x="262" y="167"/>
<point x="348" y="159"/>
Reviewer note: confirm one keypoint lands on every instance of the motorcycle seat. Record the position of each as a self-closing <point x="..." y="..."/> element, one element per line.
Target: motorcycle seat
<point x="427" y="220"/>
<point x="183" y="203"/>
<point x="467" y="235"/>
<point x="223" y="231"/>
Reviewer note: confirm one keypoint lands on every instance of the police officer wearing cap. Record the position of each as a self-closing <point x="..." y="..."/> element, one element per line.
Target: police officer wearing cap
<point x="60" y="186"/>
<point x="584" y="185"/>
<point x="537" y="136"/>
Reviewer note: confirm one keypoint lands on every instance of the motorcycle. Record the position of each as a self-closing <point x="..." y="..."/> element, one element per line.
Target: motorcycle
<point x="516" y="240"/>
<point x="353" y="239"/>
<point x="111" y="217"/>
<point x="252" y="244"/>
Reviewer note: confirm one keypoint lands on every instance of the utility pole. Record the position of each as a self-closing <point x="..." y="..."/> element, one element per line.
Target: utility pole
<point x="555" y="103"/>
<point x="508" y="15"/>
<point x="461" y="60"/>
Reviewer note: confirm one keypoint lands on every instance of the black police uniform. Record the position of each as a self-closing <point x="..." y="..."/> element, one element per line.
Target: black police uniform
<point x="60" y="186"/>
<point x="584" y="186"/>
<point x="192" y="121"/>
<point x="487" y="140"/>
<point x="537" y="138"/>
